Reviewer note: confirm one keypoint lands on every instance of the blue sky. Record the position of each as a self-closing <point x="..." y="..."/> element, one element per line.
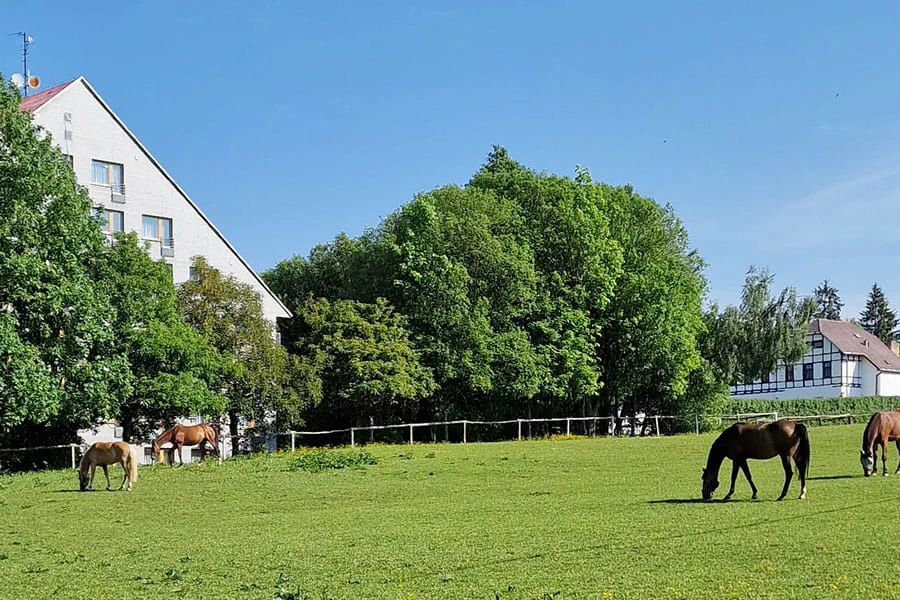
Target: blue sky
<point x="773" y="131"/>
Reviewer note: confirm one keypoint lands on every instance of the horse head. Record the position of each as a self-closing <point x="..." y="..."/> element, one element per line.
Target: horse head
<point x="83" y="479"/>
<point x="709" y="484"/>
<point x="868" y="462"/>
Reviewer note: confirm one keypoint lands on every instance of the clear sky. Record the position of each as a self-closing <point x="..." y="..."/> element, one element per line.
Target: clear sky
<point x="773" y="130"/>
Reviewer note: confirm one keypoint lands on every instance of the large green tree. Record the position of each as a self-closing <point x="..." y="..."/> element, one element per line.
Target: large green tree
<point x="828" y="302"/>
<point x="57" y="364"/>
<point x="262" y="380"/>
<point x="877" y="317"/>
<point x="746" y="342"/>
<point x="525" y="293"/>
<point x="171" y="370"/>
<point x="365" y="361"/>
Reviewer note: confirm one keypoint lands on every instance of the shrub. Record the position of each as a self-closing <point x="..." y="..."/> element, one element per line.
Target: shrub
<point x="316" y="461"/>
<point x="861" y="405"/>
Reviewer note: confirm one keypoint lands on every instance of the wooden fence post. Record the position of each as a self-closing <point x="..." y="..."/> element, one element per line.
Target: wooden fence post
<point x="464" y="432"/>
<point x="293" y="444"/>
<point x="352" y="440"/>
<point x="410" y="434"/>
<point x="656" y="424"/>
<point x="520" y="429"/>
<point x="568" y="427"/>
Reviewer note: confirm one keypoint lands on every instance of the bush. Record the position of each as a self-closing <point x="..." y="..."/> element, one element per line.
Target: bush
<point x="862" y="405"/>
<point x="316" y="461"/>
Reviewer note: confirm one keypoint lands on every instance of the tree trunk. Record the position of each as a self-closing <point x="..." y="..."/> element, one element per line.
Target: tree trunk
<point x="233" y="431"/>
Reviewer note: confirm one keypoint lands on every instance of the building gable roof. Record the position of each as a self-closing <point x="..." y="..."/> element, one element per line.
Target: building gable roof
<point x="854" y="340"/>
<point x="37" y="101"/>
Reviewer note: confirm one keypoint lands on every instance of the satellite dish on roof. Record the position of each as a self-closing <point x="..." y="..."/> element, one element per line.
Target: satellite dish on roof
<point x="17" y="80"/>
<point x="34" y="81"/>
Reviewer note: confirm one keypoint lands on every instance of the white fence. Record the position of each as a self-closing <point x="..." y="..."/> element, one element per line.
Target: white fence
<point x="465" y="431"/>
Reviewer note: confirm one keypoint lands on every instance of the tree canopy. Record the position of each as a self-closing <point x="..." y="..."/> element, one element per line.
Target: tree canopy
<point x="521" y="293"/>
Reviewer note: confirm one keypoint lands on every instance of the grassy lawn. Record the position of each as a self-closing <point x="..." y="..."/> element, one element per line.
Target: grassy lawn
<point x="599" y="518"/>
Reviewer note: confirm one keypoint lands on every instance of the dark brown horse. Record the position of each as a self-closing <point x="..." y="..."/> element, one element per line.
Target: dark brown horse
<point x="743" y="441"/>
<point x="883" y="428"/>
<point x="103" y="454"/>
<point x="187" y="435"/>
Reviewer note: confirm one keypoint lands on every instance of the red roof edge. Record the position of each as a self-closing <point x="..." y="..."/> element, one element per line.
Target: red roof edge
<point x="32" y="103"/>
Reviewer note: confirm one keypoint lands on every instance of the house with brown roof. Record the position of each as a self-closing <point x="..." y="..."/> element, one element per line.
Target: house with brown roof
<point x="843" y="361"/>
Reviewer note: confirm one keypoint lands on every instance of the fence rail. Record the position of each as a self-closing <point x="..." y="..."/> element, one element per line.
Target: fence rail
<point x="465" y="430"/>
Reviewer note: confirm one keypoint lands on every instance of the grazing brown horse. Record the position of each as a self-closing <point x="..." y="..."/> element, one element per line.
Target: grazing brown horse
<point x="743" y="441"/>
<point x="108" y="453"/>
<point x="883" y="428"/>
<point x="187" y="435"/>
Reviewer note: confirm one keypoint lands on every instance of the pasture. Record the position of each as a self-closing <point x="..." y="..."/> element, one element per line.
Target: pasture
<point x="584" y="518"/>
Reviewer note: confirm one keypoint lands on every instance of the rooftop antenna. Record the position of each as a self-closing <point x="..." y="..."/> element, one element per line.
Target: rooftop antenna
<point x="26" y="81"/>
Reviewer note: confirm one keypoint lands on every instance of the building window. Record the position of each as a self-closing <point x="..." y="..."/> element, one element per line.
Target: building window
<point x="157" y="228"/>
<point x="789" y="373"/>
<point x="807" y="372"/>
<point x="107" y="173"/>
<point x="171" y="269"/>
<point x="826" y="370"/>
<point x="111" y="221"/>
<point x="818" y="343"/>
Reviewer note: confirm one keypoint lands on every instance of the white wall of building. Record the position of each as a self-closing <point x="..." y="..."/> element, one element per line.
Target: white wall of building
<point x="83" y="128"/>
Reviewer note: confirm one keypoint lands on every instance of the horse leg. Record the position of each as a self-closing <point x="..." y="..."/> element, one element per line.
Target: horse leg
<point x="178" y="452"/>
<point x="788" y="475"/>
<point x="884" y="458"/>
<point x="898" y="465"/>
<point x="108" y="483"/>
<point x="746" y="469"/>
<point x="124" y="476"/>
<point x="91" y="480"/>
<point x="734" y="472"/>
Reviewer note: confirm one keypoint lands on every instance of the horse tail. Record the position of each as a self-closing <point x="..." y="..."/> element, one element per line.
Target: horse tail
<point x="132" y="463"/>
<point x="802" y="455"/>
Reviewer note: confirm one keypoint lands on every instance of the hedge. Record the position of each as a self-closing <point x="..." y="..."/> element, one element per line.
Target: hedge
<point x="798" y="407"/>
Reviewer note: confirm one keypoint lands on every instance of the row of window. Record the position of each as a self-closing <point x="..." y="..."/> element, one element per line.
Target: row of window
<point x="807" y="372"/>
<point x="152" y="227"/>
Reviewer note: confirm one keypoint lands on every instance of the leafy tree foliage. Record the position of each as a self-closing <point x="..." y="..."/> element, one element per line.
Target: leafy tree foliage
<point x="877" y="317"/>
<point x="523" y="293"/>
<point x="746" y="342"/>
<point x="56" y="358"/>
<point x="828" y="302"/>
<point x="171" y="370"/>
<point x="364" y="359"/>
<point x="260" y="378"/>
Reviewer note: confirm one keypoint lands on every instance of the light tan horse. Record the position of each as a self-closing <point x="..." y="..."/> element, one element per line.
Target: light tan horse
<point x="743" y="441"/>
<point x="108" y="453"/>
<point x="186" y="435"/>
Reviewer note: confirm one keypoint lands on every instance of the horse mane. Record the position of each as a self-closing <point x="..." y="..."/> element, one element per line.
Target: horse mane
<point x="870" y="434"/>
<point x="164" y="437"/>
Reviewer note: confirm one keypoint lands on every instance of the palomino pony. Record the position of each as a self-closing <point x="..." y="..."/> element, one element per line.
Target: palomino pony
<point x="187" y="435"/>
<point x="742" y="441"/>
<point x="108" y="453"/>
<point x="883" y="428"/>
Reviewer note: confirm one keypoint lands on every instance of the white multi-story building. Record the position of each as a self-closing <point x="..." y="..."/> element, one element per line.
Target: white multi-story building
<point x="135" y="193"/>
<point x="134" y="190"/>
<point x="843" y="361"/>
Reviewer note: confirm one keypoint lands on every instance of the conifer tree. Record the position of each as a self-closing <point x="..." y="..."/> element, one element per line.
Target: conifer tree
<point x="878" y="318"/>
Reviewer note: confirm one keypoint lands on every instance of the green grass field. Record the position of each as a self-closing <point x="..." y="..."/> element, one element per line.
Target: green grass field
<point x="598" y="518"/>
